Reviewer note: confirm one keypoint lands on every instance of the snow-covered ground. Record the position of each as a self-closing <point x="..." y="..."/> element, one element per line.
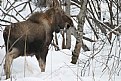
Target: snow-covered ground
<point x="58" y="68"/>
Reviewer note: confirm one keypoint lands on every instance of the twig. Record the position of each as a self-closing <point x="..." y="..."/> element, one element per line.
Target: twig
<point x="10" y="5"/>
<point x="9" y="15"/>
<point x="88" y="39"/>
<point x="5" y="21"/>
<point x="16" y="10"/>
<point x="74" y="72"/>
<point x="92" y="27"/>
<point x="23" y="8"/>
<point x="17" y="6"/>
<point x="30" y="7"/>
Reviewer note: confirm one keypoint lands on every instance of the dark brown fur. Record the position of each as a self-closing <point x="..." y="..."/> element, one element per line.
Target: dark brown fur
<point x="33" y="36"/>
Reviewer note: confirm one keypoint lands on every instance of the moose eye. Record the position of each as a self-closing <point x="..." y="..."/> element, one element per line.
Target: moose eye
<point x="62" y="12"/>
<point x="68" y="26"/>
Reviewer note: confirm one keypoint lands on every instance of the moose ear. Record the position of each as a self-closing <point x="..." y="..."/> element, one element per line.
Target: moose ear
<point x="53" y="3"/>
<point x="56" y="3"/>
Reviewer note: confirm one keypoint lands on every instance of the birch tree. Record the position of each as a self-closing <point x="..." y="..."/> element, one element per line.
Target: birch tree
<point x="81" y="20"/>
<point x="68" y="32"/>
<point x="66" y="43"/>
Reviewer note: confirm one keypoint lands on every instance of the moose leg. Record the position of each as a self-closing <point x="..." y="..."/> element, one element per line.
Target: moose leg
<point x="41" y="57"/>
<point x="8" y="61"/>
<point x="41" y="62"/>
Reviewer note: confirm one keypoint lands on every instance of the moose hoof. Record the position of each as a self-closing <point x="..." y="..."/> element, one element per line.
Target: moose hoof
<point x="73" y="62"/>
<point x="42" y="70"/>
<point x="7" y="75"/>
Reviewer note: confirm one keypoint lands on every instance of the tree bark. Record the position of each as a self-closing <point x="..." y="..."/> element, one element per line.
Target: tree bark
<point x="41" y="3"/>
<point x="81" y="20"/>
<point x="68" y="32"/>
<point x="0" y="2"/>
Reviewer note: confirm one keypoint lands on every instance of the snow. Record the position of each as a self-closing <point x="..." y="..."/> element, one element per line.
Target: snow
<point x="58" y="66"/>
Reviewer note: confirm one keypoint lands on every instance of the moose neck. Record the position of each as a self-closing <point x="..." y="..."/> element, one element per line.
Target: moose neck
<point x="51" y="17"/>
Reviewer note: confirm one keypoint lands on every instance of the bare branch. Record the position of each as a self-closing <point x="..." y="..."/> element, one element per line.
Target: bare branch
<point x="16" y="10"/>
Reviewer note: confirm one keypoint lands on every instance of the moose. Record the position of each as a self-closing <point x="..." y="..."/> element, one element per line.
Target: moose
<point x="33" y="36"/>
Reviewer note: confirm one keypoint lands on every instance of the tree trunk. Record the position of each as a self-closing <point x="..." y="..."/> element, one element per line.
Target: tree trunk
<point x="0" y="2"/>
<point x="68" y="39"/>
<point x="68" y="32"/>
<point x="41" y="3"/>
<point x="79" y="37"/>
<point x="63" y="42"/>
